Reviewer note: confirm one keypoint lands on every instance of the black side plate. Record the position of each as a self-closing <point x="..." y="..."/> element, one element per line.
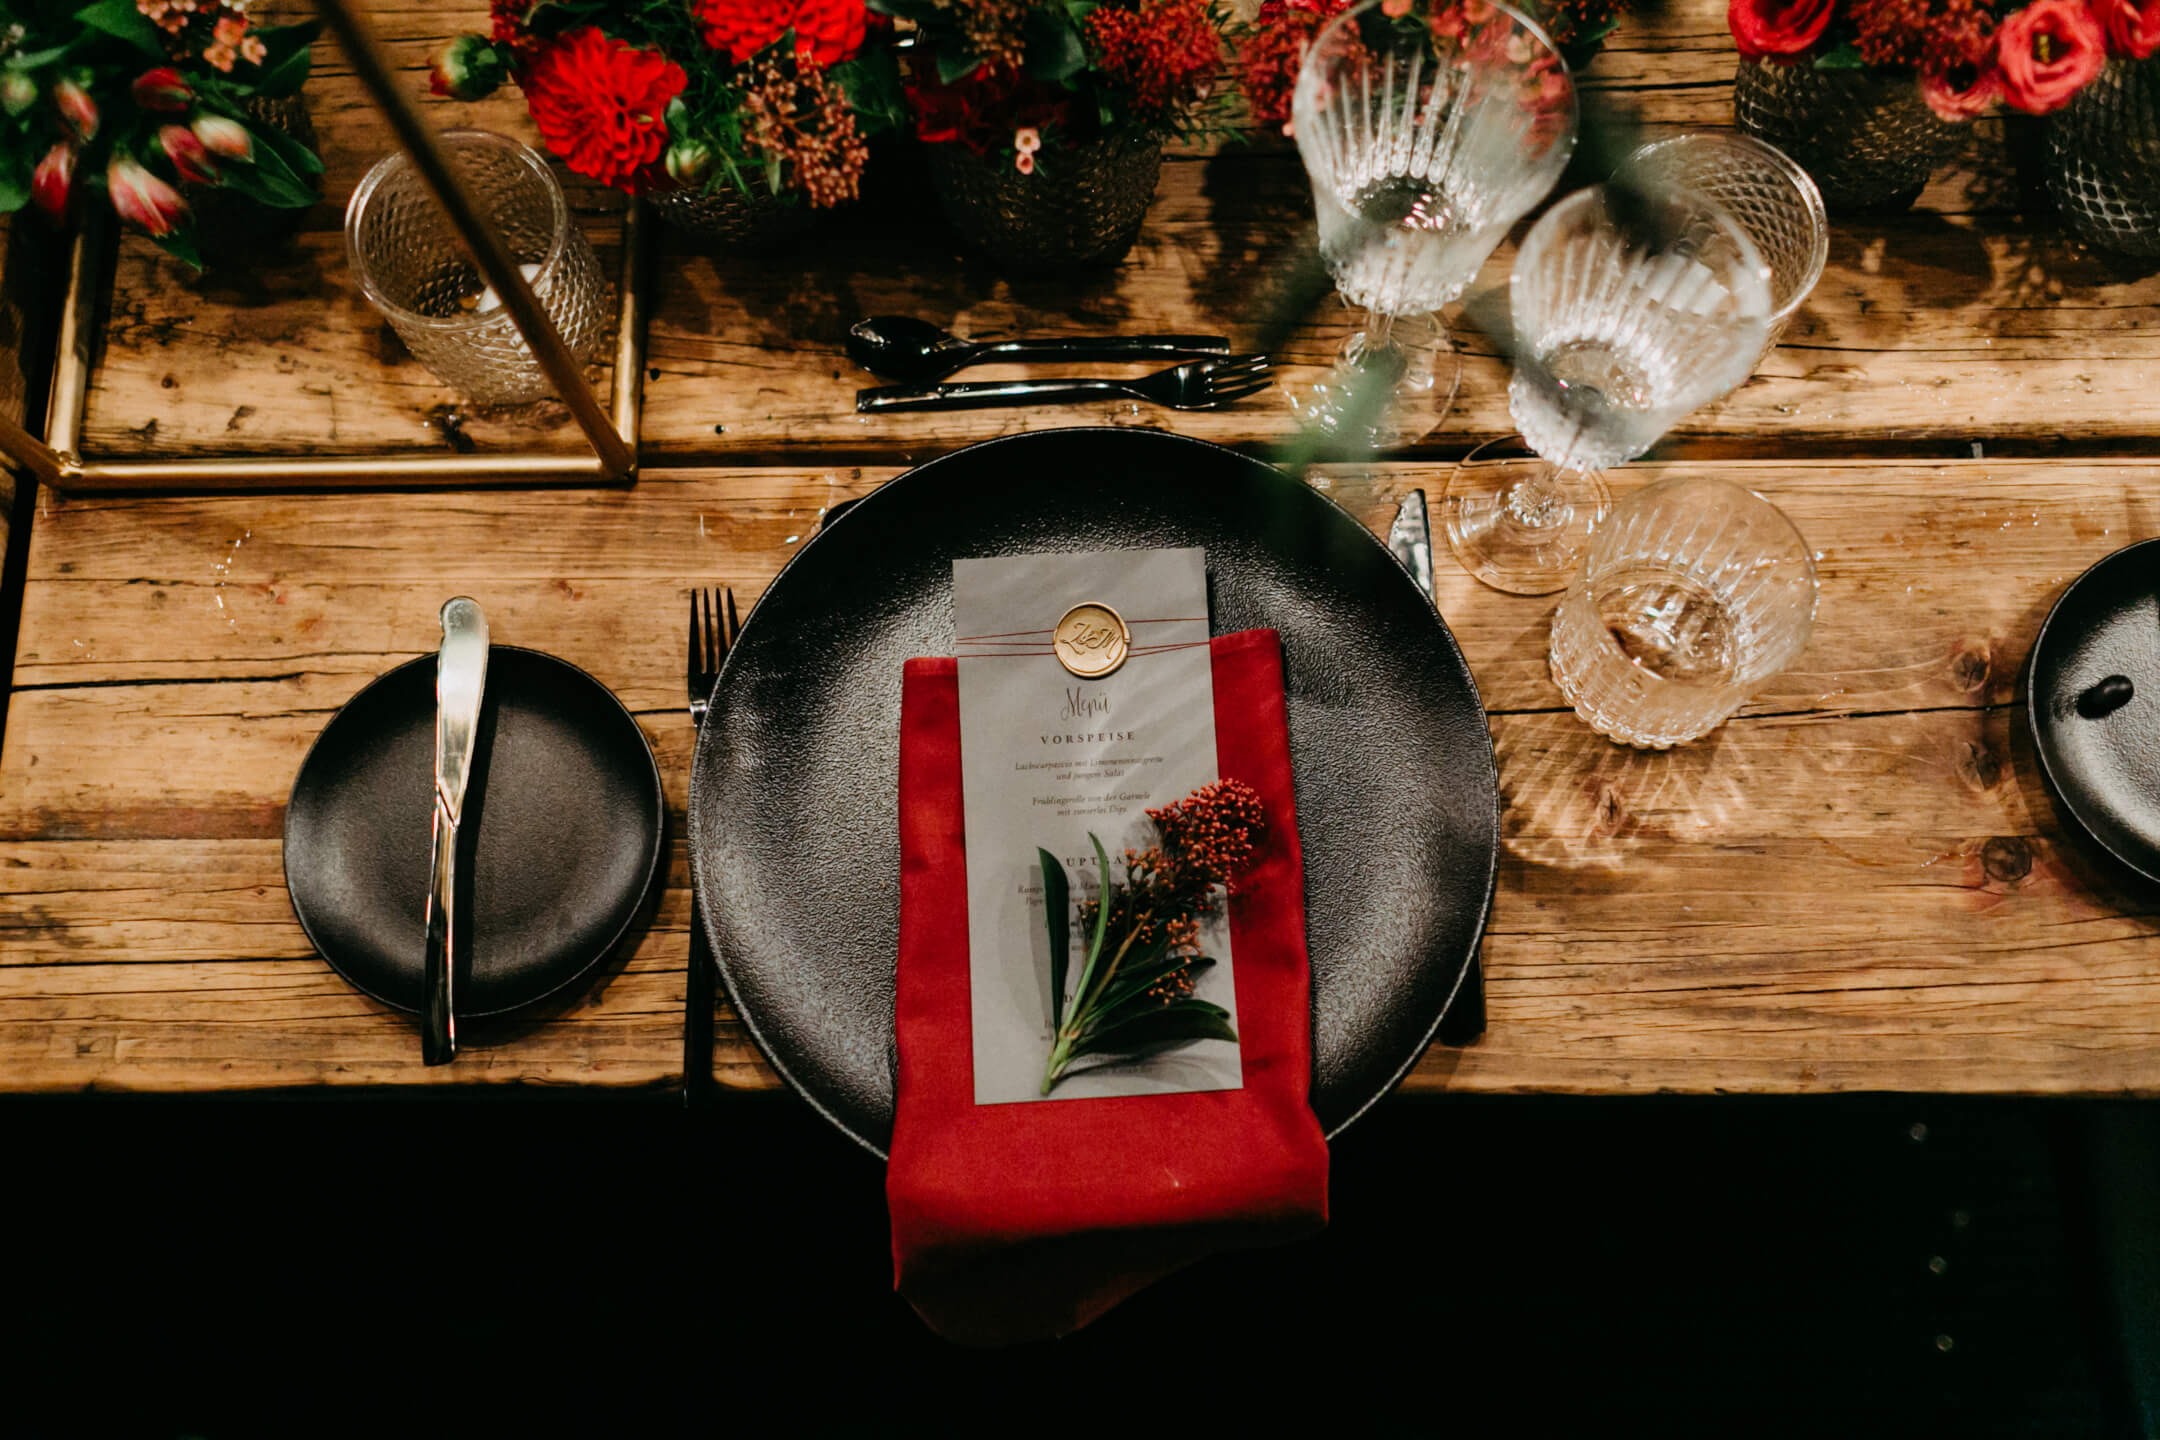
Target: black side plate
<point x="569" y="814"/>
<point x="2104" y="771"/>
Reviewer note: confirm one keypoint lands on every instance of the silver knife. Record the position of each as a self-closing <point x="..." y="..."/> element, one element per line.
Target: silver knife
<point x="1410" y="537"/>
<point x="460" y="679"/>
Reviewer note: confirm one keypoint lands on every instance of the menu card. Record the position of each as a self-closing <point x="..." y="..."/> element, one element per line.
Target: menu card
<point x="1048" y="756"/>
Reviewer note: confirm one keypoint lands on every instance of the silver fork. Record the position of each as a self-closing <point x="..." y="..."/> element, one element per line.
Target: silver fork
<point x="1195" y="385"/>
<point x="713" y="627"/>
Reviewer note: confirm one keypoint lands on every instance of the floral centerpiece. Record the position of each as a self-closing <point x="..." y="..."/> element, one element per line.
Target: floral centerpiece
<point x="1046" y="118"/>
<point x="1880" y="88"/>
<point x="1272" y="47"/>
<point x="1966" y="55"/>
<point x="706" y="104"/>
<point x="137" y="103"/>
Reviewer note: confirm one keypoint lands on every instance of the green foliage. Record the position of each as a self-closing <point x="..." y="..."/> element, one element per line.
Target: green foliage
<point x="1127" y="1000"/>
<point x="121" y="20"/>
<point x="102" y="47"/>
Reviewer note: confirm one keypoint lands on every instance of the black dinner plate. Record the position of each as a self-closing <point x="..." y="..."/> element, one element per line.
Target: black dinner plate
<point x="2105" y="771"/>
<point x="566" y="815"/>
<point x="793" y="793"/>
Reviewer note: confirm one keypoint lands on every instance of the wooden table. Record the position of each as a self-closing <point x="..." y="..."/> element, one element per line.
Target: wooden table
<point x="1856" y="884"/>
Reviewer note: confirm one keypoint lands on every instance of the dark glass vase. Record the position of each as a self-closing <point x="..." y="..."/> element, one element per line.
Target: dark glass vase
<point x="1083" y="205"/>
<point x="2103" y="159"/>
<point x="1865" y="136"/>
<point x="724" y="218"/>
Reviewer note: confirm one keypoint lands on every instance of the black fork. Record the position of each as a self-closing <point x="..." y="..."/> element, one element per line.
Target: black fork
<point x="712" y="630"/>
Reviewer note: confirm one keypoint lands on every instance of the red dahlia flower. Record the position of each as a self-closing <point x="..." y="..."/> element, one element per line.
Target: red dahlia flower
<point x="1776" y="27"/>
<point x="600" y="104"/>
<point x="2050" y="50"/>
<point x="2132" y="29"/>
<point x="829" y="30"/>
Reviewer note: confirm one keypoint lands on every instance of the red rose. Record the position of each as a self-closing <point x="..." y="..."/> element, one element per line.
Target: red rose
<point x="2132" y="30"/>
<point x="1776" y="27"/>
<point x="2049" y="51"/>
<point x="1961" y="92"/>
<point x="828" y="30"/>
<point x="601" y="104"/>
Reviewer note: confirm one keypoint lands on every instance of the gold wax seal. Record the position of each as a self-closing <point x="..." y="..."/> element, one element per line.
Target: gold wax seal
<point x="1091" y="640"/>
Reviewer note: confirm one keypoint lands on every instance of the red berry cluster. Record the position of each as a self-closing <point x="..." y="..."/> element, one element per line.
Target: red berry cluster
<point x="796" y="115"/>
<point x="1214" y="831"/>
<point x="1163" y="53"/>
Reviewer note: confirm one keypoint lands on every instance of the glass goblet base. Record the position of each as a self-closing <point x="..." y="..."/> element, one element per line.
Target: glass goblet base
<point x="1521" y="524"/>
<point x="1392" y="383"/>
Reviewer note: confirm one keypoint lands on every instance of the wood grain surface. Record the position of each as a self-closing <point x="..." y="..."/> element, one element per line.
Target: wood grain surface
<point x="1857" y="884"/>
<point x="1971" y="319"/>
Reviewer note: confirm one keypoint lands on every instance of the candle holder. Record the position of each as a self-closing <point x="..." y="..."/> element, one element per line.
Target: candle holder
<point x="610" y="429"/>
<point x="405" y="252"/>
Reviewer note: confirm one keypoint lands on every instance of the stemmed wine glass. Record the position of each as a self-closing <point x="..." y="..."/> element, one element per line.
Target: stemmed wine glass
<point x="1631" y="307"/>
<point x="1425" y="134"/>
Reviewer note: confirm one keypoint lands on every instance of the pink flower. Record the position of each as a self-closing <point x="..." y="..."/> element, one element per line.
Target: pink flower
<point x="1027" y="139"/>
<point x="1024" y="162"/>
<point x="222" y="135"/>
<point x="1777" y="27"/>
<point x="190" y="158"/>
<point x="1962" y="91"/>
<point x="141" y="199"/>
<point x="2133" y="28"/>
<point x="77" y="110"/>
<point x="2049" y="51"/>
<point x="53" y="179"/>
<point x="162" y="89"/>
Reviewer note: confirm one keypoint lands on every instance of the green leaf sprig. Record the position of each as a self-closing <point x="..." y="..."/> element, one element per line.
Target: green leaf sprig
<point x="1134" y="994"/>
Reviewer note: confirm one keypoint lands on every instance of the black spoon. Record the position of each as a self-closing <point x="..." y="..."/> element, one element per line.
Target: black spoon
<point x="900" y="347"/>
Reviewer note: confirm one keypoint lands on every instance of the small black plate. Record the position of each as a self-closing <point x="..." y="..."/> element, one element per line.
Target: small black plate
<point x="566" y="803"/>
<point x="794" y="793"/>
<point x="2104" y="772"/>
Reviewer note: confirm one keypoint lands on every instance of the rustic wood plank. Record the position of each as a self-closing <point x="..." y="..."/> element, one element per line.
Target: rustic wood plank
<point x="1856" y="885"/>
<point x="1964" y="322"/>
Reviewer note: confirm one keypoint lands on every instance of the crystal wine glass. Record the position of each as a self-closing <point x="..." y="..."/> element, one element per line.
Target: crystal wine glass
<point x="1631" y="308"/>
<point x="1425" y="134"/>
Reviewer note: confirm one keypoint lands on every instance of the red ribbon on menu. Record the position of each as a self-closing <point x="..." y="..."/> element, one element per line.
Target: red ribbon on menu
<point x="1018" y="1222"/>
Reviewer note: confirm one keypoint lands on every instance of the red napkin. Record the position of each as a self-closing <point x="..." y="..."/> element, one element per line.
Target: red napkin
<point x="1026" y="1221"/>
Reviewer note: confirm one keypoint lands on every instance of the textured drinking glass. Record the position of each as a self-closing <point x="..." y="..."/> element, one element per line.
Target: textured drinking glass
<point x="1630" y="309"/>
<point x="1425" y="135"/>
<point x="1773" y="200"/>
<point x="1695" y="593"/>
<point x="414" y="269"/>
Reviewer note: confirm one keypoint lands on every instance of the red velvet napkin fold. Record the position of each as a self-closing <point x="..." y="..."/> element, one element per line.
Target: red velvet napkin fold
<point x="1026" y="1221"/>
